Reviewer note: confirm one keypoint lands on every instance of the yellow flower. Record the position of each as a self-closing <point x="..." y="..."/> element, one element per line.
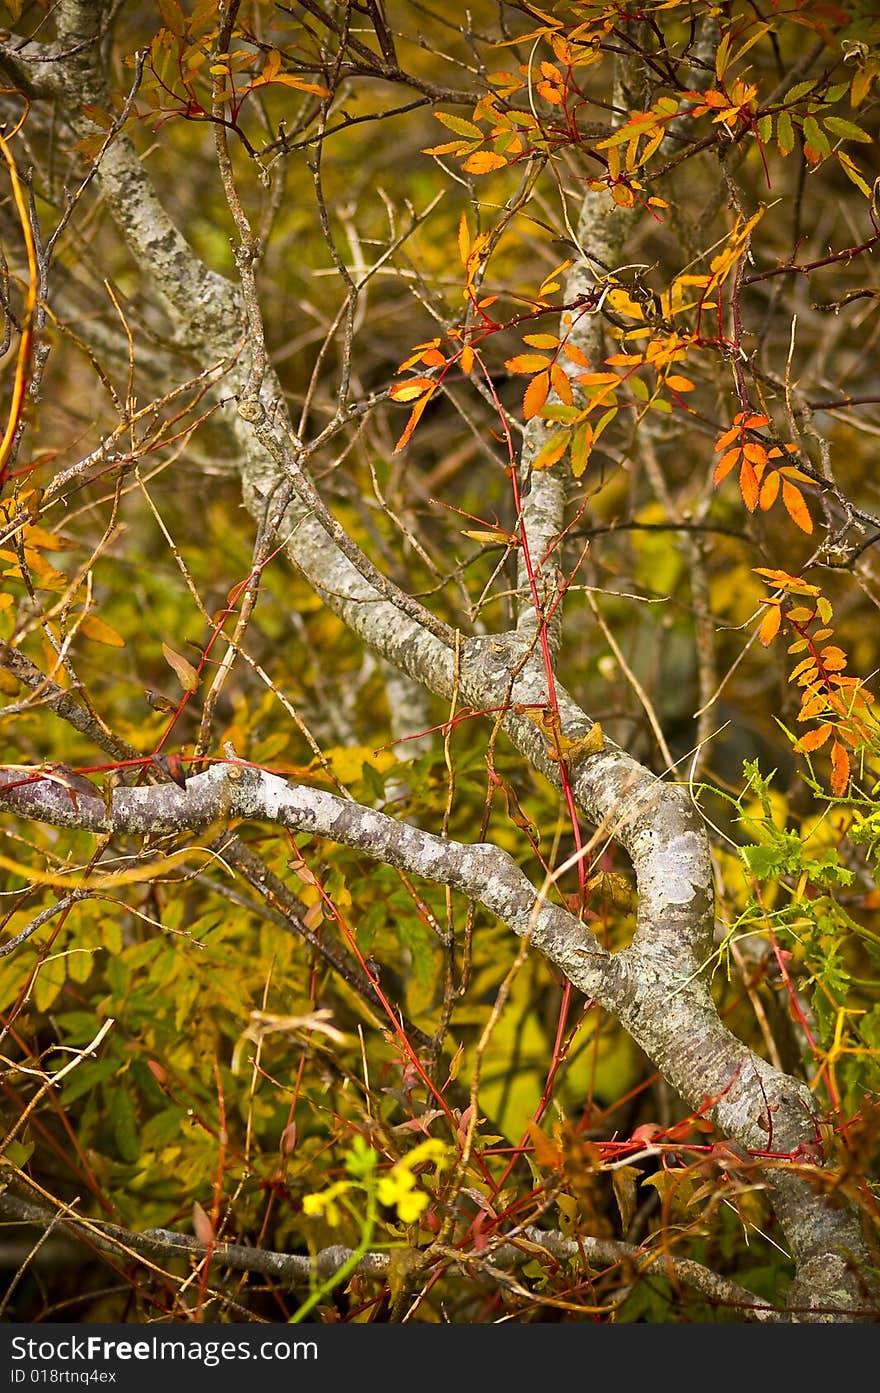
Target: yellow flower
<point x="325" y="1203"/>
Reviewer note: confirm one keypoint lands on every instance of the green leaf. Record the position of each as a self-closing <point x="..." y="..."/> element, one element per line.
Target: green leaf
<point x="784" y="133"/>
<point x="461" y="127"/>
<point x="815" y="136"/>
<point x="123" y="1120"/>
<point x="764" y="862"/>
<point x="800" y="89"/>
<point x="847" y="130"/>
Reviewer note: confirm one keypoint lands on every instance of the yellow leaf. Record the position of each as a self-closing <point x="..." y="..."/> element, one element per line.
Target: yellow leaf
<point x="770" y="625"/>
<point x="483" y="162"/>
<point x="553" y="451"/>
<point x="409" y="391"/>
<point x="288" y="80"/>
<point x="593" y="743"/>
<point x="490" y="537"/>
<point x="184" y="671"/>
<point x="464" y="239"/>
<point x="95" y="628"/>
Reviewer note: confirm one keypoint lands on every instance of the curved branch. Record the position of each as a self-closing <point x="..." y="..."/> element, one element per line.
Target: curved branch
<point x="297" y="1270"/>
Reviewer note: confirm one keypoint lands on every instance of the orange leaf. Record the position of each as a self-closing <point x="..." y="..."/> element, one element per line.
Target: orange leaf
<point x="561" y="384"/>
<point x="748" y="486"/>
<point x="796" y="506"/>
<point x="814" y="739"/>
<point x="414" y="387"/>
<point x="679" y="384"/>
<point x="414" y="418"/>
<point x="483" y="162"/>
<point x="727" y="438"/>
<point x="535" y="395"/>
<point x="467" y="358"/>
<point x="770" y="625"/>
<point x="769" y="491"/>
<point x="839" y="769"/>
<point x="464" y="239"/>
<point x="541" y="340"/>
<point x="597" y="379"/>
<point x="813" y="707"/>
<point x="527" y="362"/>
<point x="575" y="355"/>
<point x="725" y="464"/>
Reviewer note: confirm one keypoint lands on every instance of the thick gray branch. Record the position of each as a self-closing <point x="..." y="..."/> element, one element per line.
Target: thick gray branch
<point x="297" y="1270"/>
<point x="655" y="987"/>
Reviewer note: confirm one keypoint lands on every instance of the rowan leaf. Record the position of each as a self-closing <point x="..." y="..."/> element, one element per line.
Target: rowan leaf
<point x="483" y="162"/>
<point x="784" y="133"/>
<point x="796" y="506"/>
<point x="725" y="464"/>
<point x="769" y="491"/>
<point x="414" y="418"/>
<point x="840" y="769"/>
<point x="846" y="129"/>
<point x="814" y="739"/>
<point x="581" y="449"/>
<point x="561" y="384"/>
<point x="552" y="451"/>
<point x="527" y="362"/>
<point x="815" y="136"/>
<point x="769" y="626"/>
<point x="535" y="395"/>
<point x="575" y="355"/>
<point x="464" y="239"/>
<point x="413" y="388"/>
<point x="748" y="486"/>
<point x="459" y="125"/>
